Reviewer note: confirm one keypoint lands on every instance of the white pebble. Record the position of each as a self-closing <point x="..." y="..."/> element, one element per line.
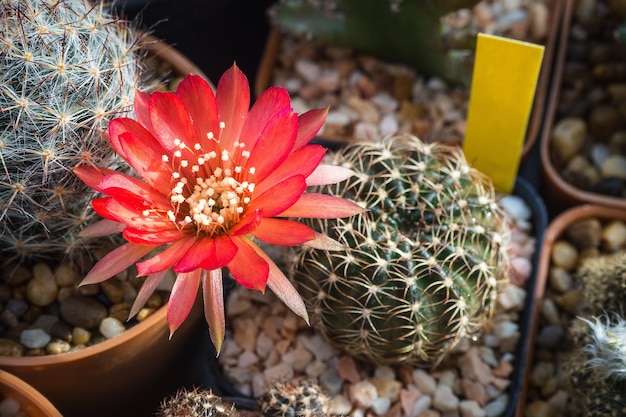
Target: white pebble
<point x="246" y="359"/>
<point x="444" y="399"/>
<point x="363" y="393"/>
<point x="339" y="405"/>
<point x="424" y="381"/>
<point x="515" y="207"/>
<point x="470" y="408"/>
<point x="422" y="405"/>
<point x="381" y="406"/>
<point x="9" y="407"/>
<point x="316" y="345"/>
<point x="34" y="338"/>
<point x="497" y="407"/>
<point x="308" y="70"/>
<point x="111" y="327"/>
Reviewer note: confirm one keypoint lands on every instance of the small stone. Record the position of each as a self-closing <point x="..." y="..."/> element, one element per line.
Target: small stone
<point x="315" y="368"/>
<point x="497" y="407"/>
<point x="585" y="233"/>
<point x="512" y="297"/>
<point x="346" y="366"/>
<point x="473" y="368"/>
<point x="264" y="345"/>
<point x="550" y="336"/>
<point x="113" y="289"/>
<point x="380" y="406"/>
<point x="308" y="70"/>
<point x="80" y="336"/>
<point x="111" y="327"/>
<point x="550" y="311"/>
<point x="614" y="167"/>
<point x="470" y="408"/>
<point x="16" y="307"/>
<point x="363" y="393"/>
<point x="564" y="255"/>
<point x="247" y="359"/>
<point x="34" y="338"/>
<point x="57" y="346"/>
<point x="521" y="268"/>
<point x="298" y="358"/>
<point x="81" y="311"/>
<point x="539" y="409"/>
<point x="61" y="330"/>
<point x="444" y="399"/>
<point x="339" y="405"/>
<point x="316" y="345"/>
<point x="614" y="236"/>
<point x="387" y="388"/>
<point x="280" y="372"/>
<point x="515" y="207"/>
<point x="9" y="407"/>
<point x="560" y="279"/>
<point x="568" y="138"/>
<point x="245" y="333"/>
<point x="67" y="274"/>
<point x="424" y="382"/>
<point x="542" y="372"/>
<point x="42" y="290"/>
<point x="11" y="348"/>
<point x="474" y="391"/>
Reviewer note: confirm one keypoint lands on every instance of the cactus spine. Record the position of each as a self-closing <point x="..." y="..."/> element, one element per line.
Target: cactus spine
<point x="196" y="403"/>
<point x="423" y="266"/>
<point x="297" y="398"/>
<point x="597" y="366"/>
<point x="68" y="67"/>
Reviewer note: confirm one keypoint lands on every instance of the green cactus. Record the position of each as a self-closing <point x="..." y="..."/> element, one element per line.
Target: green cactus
<point x="68" y="67"/>
<point x="602" y="281"/>
<point x="196" y="403"/>
<point x="404" y="31"/>
<point x="422" y="268"/>
<point x="297" y="398"/>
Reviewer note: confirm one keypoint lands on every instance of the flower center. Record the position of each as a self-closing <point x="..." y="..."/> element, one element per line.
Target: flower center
<point x="212" y="192"/>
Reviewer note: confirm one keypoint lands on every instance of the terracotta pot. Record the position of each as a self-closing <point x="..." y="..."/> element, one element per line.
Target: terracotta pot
<point x="560" y="194"/>
<point x="127" y="375"/>
<point x="553" y="233"/>
<point x="31" y="401"/>
<point x="264" y="78"/>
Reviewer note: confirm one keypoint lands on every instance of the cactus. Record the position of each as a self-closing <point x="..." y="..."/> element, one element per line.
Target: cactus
<point x="597" y="368"/>
<point x="404" y="31"/>
<point x="196" y="403"/>
<point x="602" y="281"/>
<point x="422" y="268"/>
<point x="68" y="66"/>
<point x="297" y="398"/>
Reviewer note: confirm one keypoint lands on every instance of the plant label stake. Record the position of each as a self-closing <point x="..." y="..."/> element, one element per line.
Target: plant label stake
<point x="501" y="96"/>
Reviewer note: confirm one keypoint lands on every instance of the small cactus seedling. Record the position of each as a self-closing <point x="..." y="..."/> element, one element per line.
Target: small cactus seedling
<point x="421" y="269"/>
<point x="602" y="281"/>
<point x="67" y="67"/>
<point x="297" y="398"/>
<point x="196" y="403"/>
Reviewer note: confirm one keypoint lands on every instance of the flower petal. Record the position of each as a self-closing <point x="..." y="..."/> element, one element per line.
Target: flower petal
<point x="213" y="295"/>
<point x="103" y="227"/>
<point x="270" y="102"/>
<point x="203" y="248"/>
<point x="283" y="232"/>
<point x="146" y="290"/>
<point x="247" y="267"/>
<point x="309" y="124"/>
<point x="182" y="297"/>
<point x="160" y="237"/>
<point x="118" y="184"/>
<point x="233" y="103"/>
<point x="122" y="125"/>
<point x="199" y="99"/>
<point x="303" y="161"/>
<point x="145" y="155"/>
<point x="115" y="262"/>
<point x="225" y="251"/>
<point x="141" y="106"/>
<point x="328" y="174"/>
<point x="165" y="259"/>
<point x="130" y="212"/>
<point x="322" y="206"/>
<point x="274" y="144"/>
<point x="171" y="121"/>
<point x="281" y="287"/>
<point x="278" y="198"/>
<point x="324" y="242"/>
<point x="92" y="175"/>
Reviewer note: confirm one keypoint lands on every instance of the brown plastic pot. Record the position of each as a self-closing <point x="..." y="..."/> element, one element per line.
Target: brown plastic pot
<point x="559" y="194"/>
<point x="130" y="374"/>
<point x="553" y="233"/>
<point x="264" y="78"/>
<point x="30" y="400"/>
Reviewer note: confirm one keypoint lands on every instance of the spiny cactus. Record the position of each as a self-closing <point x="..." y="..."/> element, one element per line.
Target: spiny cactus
<point x="405" y="31"/>
<point x="196" y="403"/>
<point x="597" y="368"/>
<point x="602" y="281"/>
<point x="67" y="68"/>
<point x="423" y="266"/>
<point x="297" y="398"/>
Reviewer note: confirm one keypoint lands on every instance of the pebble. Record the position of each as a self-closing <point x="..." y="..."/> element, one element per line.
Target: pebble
<point x="9" y="407"/>
<point x="34" y="338"/>
<point x="470" y="408"/>
<point x="111" y="327"/>
<point x="363" y="393"/>
<point x="81" y="311"/>
<point x="444" y="399"/>
<point x="564" y="255"/>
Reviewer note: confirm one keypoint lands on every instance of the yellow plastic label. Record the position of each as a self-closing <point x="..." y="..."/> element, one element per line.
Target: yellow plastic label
<point x="501" y="97"/>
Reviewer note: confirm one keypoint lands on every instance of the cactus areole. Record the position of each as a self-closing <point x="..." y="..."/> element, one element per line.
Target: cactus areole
<point x="422" y="267"/>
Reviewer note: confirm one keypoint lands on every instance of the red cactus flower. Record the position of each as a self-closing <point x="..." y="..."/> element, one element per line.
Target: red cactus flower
<point x="216" y="176"/>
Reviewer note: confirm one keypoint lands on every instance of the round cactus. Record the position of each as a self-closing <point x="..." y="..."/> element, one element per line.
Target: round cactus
<point x="68" y="67"/>
<point x="297" y="398"/>
<point x="195" y="403"/>
<point x="422" y="267"/>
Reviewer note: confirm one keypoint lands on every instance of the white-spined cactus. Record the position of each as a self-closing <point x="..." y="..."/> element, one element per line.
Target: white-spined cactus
<point x="67" y="68"/>
<point x="422" y="268"/>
